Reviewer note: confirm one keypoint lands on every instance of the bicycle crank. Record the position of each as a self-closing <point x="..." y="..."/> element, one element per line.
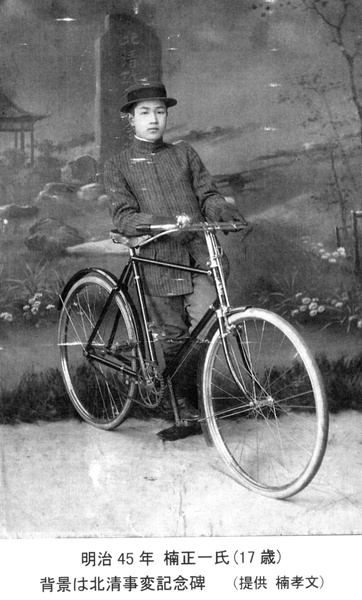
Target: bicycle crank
<point x="152" y="387"/>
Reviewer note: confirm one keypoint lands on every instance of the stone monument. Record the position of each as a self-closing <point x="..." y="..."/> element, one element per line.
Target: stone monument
<point x="128" y="51"/>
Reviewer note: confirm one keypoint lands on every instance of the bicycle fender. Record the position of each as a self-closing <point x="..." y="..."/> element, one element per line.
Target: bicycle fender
<point x="78" y="275"/>
<point x="214" y="327"/>
<point x="113" y="281"/>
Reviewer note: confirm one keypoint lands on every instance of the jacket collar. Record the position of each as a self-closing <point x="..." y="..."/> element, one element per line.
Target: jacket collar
<point x="145" y="147"/>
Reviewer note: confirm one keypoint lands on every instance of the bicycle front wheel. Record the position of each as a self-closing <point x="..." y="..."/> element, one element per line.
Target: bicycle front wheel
<point x="265" y="408"/>
<point x="100" y="392"/>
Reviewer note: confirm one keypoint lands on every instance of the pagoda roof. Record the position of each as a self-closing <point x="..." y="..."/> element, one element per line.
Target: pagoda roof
<point x="11" y="113"/>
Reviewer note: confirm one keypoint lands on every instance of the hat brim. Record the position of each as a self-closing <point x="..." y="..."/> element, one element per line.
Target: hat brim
<point x="168" y="101"/>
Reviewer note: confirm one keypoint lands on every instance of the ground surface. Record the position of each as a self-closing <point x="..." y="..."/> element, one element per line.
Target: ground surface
<point x="69" y="479"/>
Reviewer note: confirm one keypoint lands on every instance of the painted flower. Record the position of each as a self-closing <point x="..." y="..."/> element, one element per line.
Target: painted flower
<point x="6" y="316"/>
<point x="35" y="298"/>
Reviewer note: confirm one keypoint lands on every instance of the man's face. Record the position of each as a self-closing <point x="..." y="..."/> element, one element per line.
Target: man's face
<point x="149" y="119"/>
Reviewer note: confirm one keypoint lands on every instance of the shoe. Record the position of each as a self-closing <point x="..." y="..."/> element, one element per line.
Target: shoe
<point x="171" y="434"/>
<point x="187" y="411"/>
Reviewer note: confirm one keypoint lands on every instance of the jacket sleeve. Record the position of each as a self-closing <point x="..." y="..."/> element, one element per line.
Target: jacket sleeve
<point x="124" y="206"/>
<point x="211" y="202"/>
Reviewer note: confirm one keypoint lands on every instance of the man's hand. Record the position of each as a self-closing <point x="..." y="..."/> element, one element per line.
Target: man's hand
<point x="182" y="236"/>
<point x="229" y="214"/>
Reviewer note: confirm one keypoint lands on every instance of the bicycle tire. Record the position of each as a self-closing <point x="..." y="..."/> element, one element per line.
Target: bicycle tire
<point x="273" y="434"/>
<point x="100" y="394"/>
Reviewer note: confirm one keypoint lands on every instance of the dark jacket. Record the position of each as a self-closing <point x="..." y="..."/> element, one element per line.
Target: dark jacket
<point x="158" y="179"/>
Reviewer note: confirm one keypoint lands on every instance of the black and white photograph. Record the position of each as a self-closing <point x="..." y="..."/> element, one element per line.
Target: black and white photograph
<point x="180" y="271"/>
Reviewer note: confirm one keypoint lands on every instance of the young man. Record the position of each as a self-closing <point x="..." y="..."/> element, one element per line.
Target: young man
<point x="154" y="182"/>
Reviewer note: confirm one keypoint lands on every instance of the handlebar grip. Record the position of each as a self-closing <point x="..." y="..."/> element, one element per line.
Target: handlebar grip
<point x="154" y="228"/>
<point x="144" y="229"/>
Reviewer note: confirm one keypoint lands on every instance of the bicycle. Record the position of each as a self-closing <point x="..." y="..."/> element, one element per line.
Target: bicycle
<point x="261" y="395"/>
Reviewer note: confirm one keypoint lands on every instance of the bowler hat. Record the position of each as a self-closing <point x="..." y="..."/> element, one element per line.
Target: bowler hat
<point x="146" y="90"/>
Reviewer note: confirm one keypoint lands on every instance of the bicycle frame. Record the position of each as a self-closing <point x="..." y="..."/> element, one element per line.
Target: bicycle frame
<point x="219" y="310"/>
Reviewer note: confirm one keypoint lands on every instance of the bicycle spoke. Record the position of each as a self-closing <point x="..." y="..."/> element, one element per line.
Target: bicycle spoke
<point x="265" y="424"/>
<point x="101" y="394"/>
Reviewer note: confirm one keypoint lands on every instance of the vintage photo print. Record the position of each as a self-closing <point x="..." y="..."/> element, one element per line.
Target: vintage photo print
<point x="218" y="399"/>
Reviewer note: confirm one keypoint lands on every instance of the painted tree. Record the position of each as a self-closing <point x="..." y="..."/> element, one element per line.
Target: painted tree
<point x="339" y="27"/>
<point x="343" y="21"/>
<point x="313" y="91"/>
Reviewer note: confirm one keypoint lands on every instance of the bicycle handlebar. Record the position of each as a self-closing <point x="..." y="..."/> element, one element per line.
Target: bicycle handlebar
<point x="151" y="228"/>
<point x="150" y="232"/>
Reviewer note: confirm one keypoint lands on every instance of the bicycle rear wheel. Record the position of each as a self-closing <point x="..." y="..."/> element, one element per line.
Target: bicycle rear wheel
<point x="101" y="394"/>
<point x="264" y="408"/>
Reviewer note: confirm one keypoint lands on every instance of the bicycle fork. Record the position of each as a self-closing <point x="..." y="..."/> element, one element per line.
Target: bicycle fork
<point x="259" y="396"/>
<point x="222" y="314"/>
